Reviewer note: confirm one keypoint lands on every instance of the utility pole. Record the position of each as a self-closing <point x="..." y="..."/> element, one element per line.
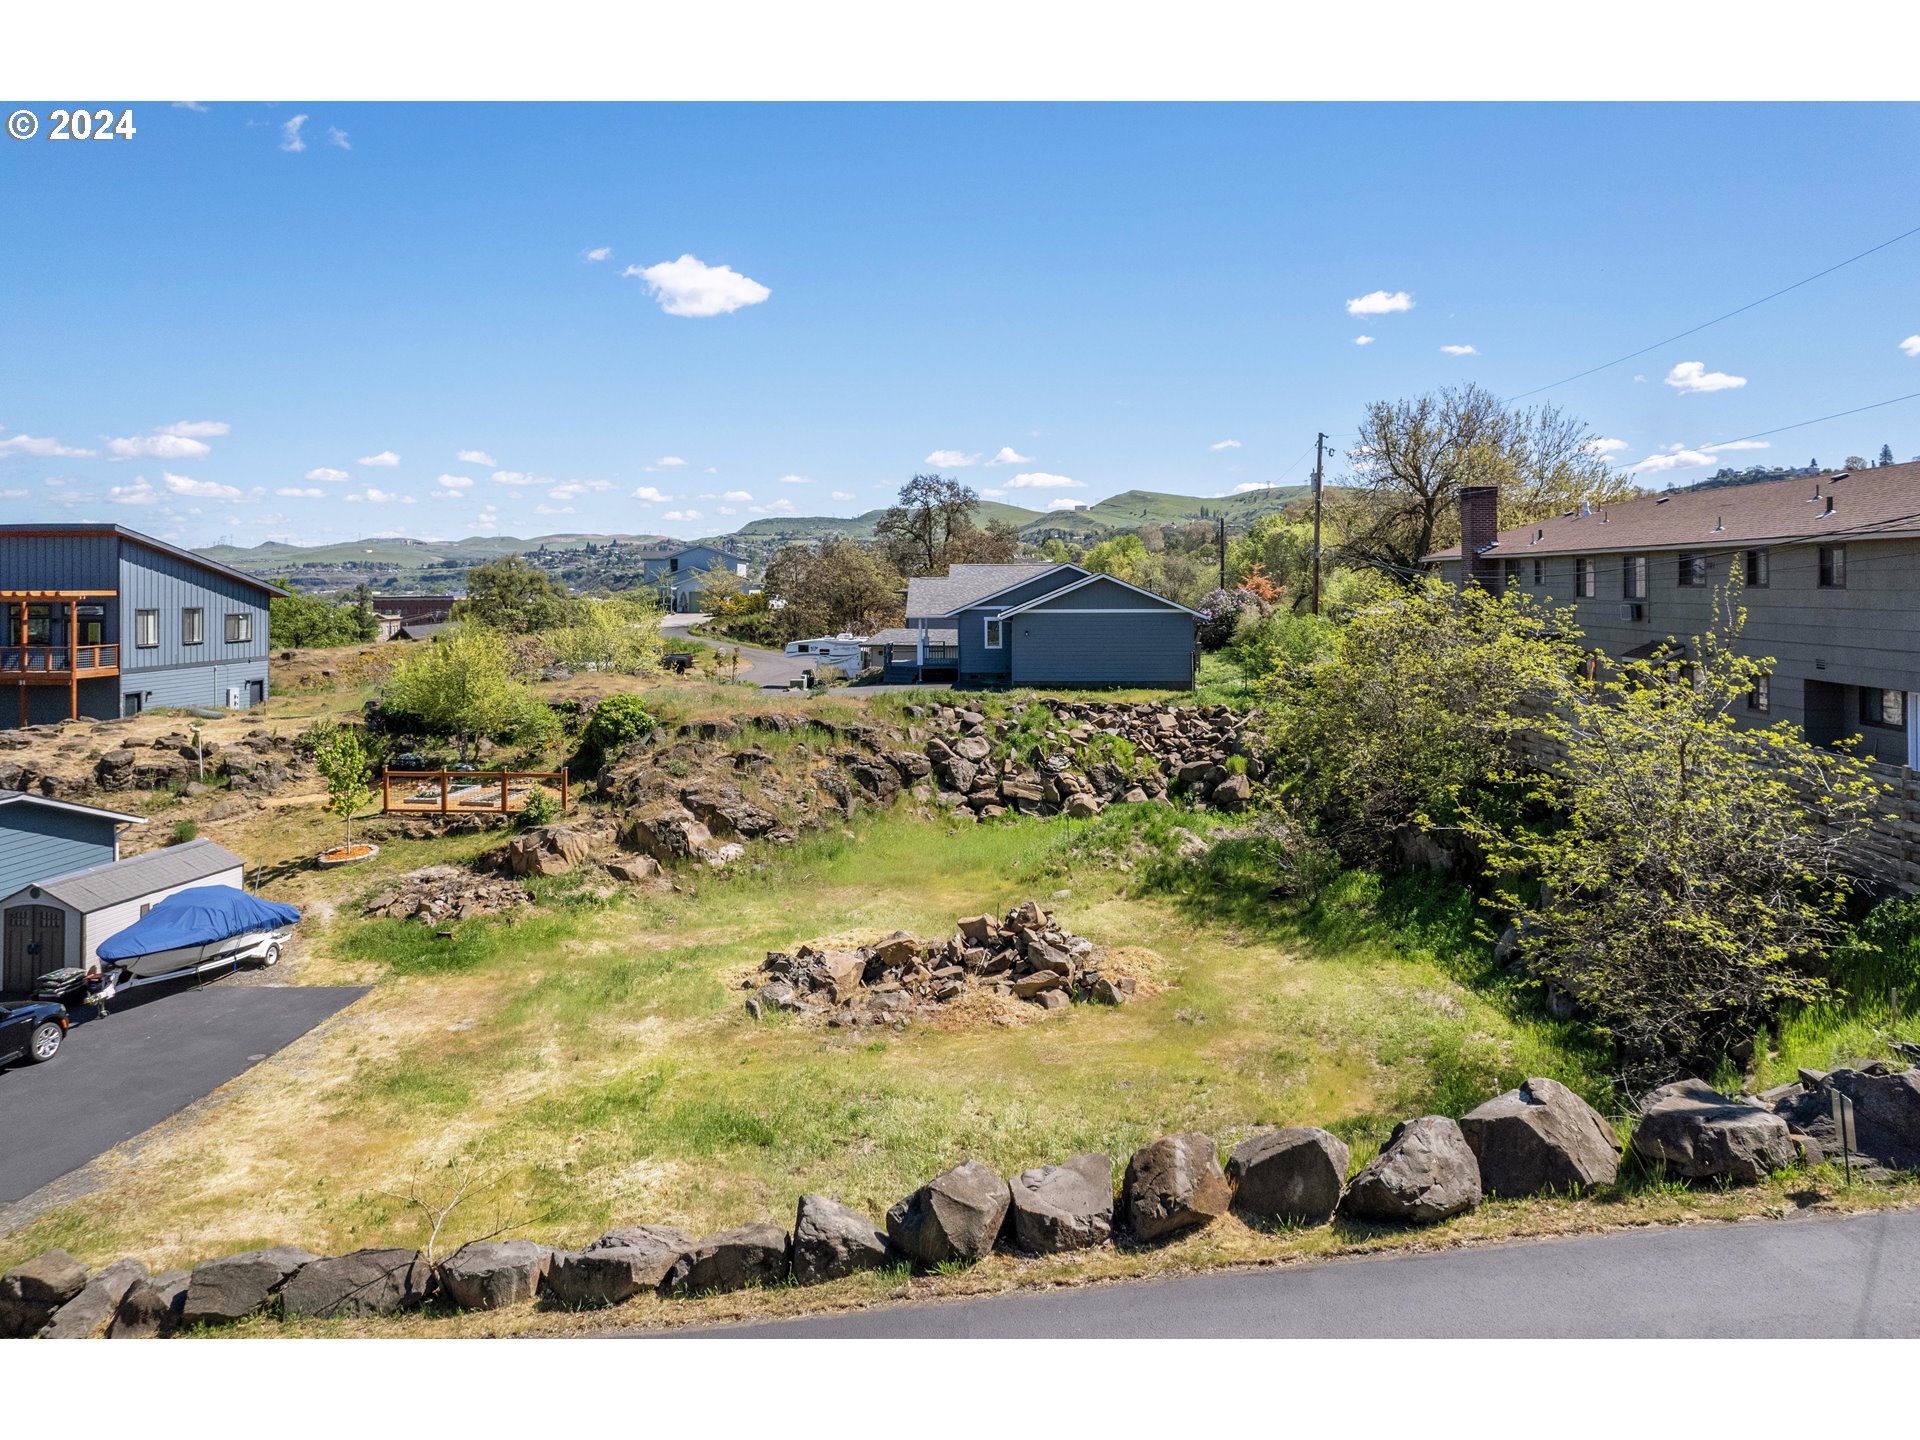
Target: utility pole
<point x="1319" y="459"/>
<point x="1223" y="551"/>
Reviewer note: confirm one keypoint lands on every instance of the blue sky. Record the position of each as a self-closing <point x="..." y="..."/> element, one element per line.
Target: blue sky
<point x="1108" y="293"/>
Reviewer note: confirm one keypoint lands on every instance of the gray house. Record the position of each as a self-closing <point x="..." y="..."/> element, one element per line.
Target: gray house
<point x="60" y="921"/>
<point x="678" y="573"/>
<point x="41" y="837"/>
<point x="1831" y="583"/>
<point x="99" y="620"/>
<point x="1042" y="624"/>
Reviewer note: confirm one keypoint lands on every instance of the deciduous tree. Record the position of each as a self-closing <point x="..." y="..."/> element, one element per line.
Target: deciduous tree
<point x="461" y="685"/>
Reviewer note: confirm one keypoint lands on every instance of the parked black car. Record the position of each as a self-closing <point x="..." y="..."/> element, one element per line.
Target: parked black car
<point x="32" y="1032"/>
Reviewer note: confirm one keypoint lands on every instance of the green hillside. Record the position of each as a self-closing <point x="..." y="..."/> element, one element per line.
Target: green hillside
<point x="274" y="556"/>
<point x="860" y="527"/>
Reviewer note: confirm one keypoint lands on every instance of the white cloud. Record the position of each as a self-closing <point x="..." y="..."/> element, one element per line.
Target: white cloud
<point x="159" y="447"/>
<point x="1738" y="445"/>
<point x="137" y="493"/>
<point x="290" y="140"/>
<point x="1041" y="480"/>
<point x="553" y="509"/>
<point x="574" y="489"/>
<point x="1007" y="455"/>
<point x="1063" y="504"/>
<point x="782" y="506"/>
<point x="652" y="496"/>
<point x="1363" y="339"/>
<point x="373" y="495"/>
<point x="738" y="497"/>
<point x="1691" y="377"/>
<point x="1247" y="487"/>
<point x="41" y="445"/>
<point x="202" y="489"/>
<point x="295" y="492"/>
<point x="668" y="462"/>
<point x="454" y="482"/>
<point x="796" y="480"/>
<point x="951" y="459"/>
<point x="1603" y="445"/>
<point x="337" y="138"/>
<point x="13" y="494"/>
<point x="598" y="253"/>
<point x="689" y="286"/>
<point x="1674" y="457"/>
<point x="1458" y="350"/>
<point x="681" y="515"/>
<point x="326" y="472"/>
<point x="193" y="105"/>
<point x="476" y="457"/>
<point x="385" y="457"/>
<point x="196" y="429"/>
<point x="520" y="477"/>
<point x="1380" y="302"/>
<point x="844" y="495"/>
<point x="1911" y="345"/>
<point x="1224" y="445"/>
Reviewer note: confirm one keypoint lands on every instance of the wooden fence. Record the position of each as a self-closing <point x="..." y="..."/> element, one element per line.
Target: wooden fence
<point x="465" y="792"/>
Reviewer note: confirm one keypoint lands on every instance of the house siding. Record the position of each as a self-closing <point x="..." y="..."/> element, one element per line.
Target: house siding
<point x="1067" y="648"/>
<point x="978" y="664"/>
<point x="37" y="843"/>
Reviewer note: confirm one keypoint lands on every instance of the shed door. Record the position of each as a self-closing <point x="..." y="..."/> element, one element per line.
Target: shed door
<point x="36" y="943"/>
<point x="256" y="693"/>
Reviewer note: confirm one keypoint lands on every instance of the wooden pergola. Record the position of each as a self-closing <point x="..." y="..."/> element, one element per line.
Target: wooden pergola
<point x="29" y="664"/>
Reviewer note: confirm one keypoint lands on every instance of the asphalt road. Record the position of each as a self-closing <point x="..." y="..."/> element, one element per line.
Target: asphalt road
<point x="1785" y="1278"/>
<point x="769" y="669"/>
<point x="125" y="1072"/>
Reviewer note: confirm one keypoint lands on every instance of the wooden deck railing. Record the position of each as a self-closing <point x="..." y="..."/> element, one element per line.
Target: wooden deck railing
<point x="465" y="792"/>
<point x="58" y="659"/>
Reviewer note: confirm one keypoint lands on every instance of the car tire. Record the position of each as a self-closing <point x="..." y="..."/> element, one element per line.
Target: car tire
<point x="44" y="1043"/>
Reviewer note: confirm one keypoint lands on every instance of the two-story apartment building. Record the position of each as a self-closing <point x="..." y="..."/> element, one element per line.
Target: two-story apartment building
<point x="1830" y="572"/>
<point x="102" y="621"/>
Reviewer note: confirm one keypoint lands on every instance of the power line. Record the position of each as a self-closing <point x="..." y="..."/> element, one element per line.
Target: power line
<point x="1705" y="324"/>
<point x="1801" y="424"/>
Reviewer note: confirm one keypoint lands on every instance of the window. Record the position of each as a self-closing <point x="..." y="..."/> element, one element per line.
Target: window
<point x="239" y="627"/>
<point x="1883" y="707"/>
<point x="146" y="629"/>
<point x="993" y="634"/>
<point x="1539" y="573"/>
<point x="1760" y="697"/>
<point x="1512" y="572"/>
<point x="1588" y="576"/>
<point x="1756" y="569"/>
<point x="39" y="625"/>
<point x="1633" y="577"/>
<point x="1693" y="569"/>
<point x="1833" y="567"/>
<point x="193" y="626"/>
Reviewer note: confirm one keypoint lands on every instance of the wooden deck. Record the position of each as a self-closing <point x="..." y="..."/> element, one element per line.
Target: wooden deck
<point x="466" y="792"/>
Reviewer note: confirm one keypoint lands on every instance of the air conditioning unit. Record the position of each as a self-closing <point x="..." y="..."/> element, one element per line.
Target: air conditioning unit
<point x="234" y="701"/>
<point x="1633" y="610"/>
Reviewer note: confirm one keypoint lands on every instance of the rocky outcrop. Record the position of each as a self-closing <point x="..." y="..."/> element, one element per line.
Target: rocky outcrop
<point x="957" y="1215"/>
<point x="555" y="849"/>
<point x="668" y="833"/>
<point x="1295" y="1176"/>
<point x="440" y="894"/>
<point x="365" y="1282"/>
<point x="236" y="1286"/>
<point x="1426" y="1173"/>
<point x="735" y="1259"/>
<point x="1068" y="1206"/>
<point x="493" y="1274"/>
<point x="1174" y="1184"/>
<point x="831" y="1240"/>
<point x="1697" y="1132"/>
<point x="1886" y="1114"/>
<point x="1540" y="1137"/>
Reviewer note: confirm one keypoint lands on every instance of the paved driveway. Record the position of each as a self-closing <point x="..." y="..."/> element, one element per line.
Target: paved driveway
<point x="124" y="1072"/>
<point x="1785" y="1278"/>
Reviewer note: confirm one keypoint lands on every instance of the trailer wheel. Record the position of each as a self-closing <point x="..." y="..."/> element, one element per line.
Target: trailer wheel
<point x="45" y="1043"/>
<point x="271" y="958"/>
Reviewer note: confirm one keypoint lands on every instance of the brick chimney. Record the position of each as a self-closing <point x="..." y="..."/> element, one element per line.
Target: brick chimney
<point x="1479" y="528"/>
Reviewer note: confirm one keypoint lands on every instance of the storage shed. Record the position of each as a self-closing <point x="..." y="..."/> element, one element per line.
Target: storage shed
<point x="61" y="921"/>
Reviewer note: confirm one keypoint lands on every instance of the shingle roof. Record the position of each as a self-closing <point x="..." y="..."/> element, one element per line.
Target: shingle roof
<point x="933" y="596"/>
<point x="121" y="880"/>
<point x="1883" y="500"/>
<point x="898" y="636"/>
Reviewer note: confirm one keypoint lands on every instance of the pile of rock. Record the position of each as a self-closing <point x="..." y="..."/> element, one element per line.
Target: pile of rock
<point x="438" y="894"/>
<point x="1085" y="755"/>
<point x="1886" y="1114"/>
<point x="1025" y="956"/>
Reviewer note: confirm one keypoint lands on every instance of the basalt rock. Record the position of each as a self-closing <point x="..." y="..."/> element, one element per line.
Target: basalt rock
<point x="1425" y="1174"/>
<point x="1540" y="1137"/>
<point x="1064" y="1207"/>
<point x="1697" y="1132"/>
<point x="494" y="1273"/>
<point x="1174" y="1184"/>
<point x="831" y="1240"/>
<point x="731" y="1260"/>
<point x="957" y="1215"/>
<point x="1295" y="1176"/>
<point x="365" y="1282"/>
<point x="236" y="1286"/>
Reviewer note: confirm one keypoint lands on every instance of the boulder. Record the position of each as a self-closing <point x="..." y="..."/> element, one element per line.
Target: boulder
<point x="1426" y="1173"/>
<point x="957" y="1215"/>
<point x="667" y="833"/>
<point x="365" y="1282"/>
<point x="1064" y="1207"/>
<point x="664" y="1239"/>
<point x="1112" y="989"/>
<point x="151" y="1308"/>
<point x="1173" y="1184"/>
<point x="731" y="1260"/>
<point x="1695" y="1131"/>
<point x="494" y="1273"/>
<point x="87" y="1315"/>
<point x="1234" y="793"/>
<point x="1296" y="1175"/>
<point x="592" y="1278"/>
<point x="30" y="1293"/>
<point x="1540" y="1137"/>
<point x="633" y="868"/>
<point x="1081" y="807"/>
<point x="235" y="1286"/>
<point x="831" y="1240"/>
<point x="1886" y="1114"/>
